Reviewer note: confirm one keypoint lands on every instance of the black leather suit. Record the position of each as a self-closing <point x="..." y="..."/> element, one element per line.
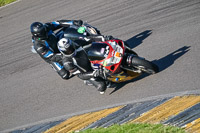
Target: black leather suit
<point x="47" y="48"/>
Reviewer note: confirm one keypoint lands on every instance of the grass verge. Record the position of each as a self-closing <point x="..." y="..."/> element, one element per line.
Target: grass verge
<point x="4" y="2"/>
<point x="136" y="128"/>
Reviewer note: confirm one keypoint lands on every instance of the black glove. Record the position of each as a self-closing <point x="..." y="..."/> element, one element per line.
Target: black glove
<point x="98" y="73"/>
<point x="78" y="22"/>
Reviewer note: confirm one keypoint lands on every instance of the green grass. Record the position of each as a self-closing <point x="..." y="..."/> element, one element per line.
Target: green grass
<point x="136" y="128"/>
<point x="4" y="2"/>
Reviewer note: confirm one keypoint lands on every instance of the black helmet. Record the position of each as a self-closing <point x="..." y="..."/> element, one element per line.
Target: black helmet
<point x="39" y="30"/>
<point x="66" y="47"/>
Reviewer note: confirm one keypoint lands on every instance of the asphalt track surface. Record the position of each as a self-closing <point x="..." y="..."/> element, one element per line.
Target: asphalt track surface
<point x="165" y="32"/>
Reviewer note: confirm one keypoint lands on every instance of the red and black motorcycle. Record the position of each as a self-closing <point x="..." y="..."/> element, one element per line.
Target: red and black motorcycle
<point x="118" y="62"/>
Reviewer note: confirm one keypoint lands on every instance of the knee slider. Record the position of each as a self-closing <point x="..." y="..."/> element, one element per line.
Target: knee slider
<point x="64" y="74"/>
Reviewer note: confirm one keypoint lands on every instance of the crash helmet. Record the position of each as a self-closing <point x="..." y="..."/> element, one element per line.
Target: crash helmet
<point x="39" y="30"/>
<point x="65" y="46"/>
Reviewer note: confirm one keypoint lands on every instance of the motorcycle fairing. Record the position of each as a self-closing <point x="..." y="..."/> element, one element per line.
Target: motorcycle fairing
<point x="108" y="54"/>
<point x="123" y="76"/>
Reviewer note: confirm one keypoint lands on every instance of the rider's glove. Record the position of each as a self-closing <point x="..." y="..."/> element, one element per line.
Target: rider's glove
<point x="98" y="73"/>
<point x="78" y="22"/>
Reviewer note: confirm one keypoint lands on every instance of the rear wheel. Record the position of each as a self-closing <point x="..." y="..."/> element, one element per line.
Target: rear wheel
<point x="144" y="65"/>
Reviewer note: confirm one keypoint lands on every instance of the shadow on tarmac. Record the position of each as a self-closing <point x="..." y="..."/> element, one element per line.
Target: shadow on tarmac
<point x="168" y="60"/>
<point x="162" y="63"/>
<point x="138" y="39"/>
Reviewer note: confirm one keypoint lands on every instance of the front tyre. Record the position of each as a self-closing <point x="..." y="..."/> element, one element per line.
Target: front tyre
<point x="144" y="65"/>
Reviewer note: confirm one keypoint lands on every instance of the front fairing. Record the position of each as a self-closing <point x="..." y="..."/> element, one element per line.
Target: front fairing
<point x="108" y="54"/>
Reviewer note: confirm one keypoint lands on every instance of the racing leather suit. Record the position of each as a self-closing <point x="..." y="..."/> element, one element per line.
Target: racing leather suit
<point x="47" y="48"/>
<point x="79" y="65"/>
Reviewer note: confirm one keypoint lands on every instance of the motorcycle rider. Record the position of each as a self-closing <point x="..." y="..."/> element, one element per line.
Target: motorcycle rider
<point x="76" y="61"/>
<point x="45" y="41"/>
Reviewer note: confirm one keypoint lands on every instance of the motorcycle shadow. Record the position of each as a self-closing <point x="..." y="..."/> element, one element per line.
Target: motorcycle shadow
<point x="138" y="39"/>
<point x="162" y="63"/>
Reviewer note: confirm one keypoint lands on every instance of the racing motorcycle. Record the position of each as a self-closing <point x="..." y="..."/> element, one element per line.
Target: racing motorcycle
<point x="118" y="62"/>
<point x="111" y="56"/>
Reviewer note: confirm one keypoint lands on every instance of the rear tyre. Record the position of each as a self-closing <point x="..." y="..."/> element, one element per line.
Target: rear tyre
<point x="144" y="65"/>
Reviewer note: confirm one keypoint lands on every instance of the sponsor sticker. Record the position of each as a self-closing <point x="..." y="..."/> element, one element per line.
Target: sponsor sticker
<point x="81" y="30"/>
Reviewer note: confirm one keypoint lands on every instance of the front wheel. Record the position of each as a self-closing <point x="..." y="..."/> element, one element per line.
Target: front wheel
<point x="144" y="65"/>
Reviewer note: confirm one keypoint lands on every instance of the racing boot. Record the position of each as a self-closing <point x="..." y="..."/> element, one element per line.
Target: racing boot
<point x="108" y="83"/>
<point x="64" y="74"/>
<point x="87" y="82"/>
<point x="99" y="83"/>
